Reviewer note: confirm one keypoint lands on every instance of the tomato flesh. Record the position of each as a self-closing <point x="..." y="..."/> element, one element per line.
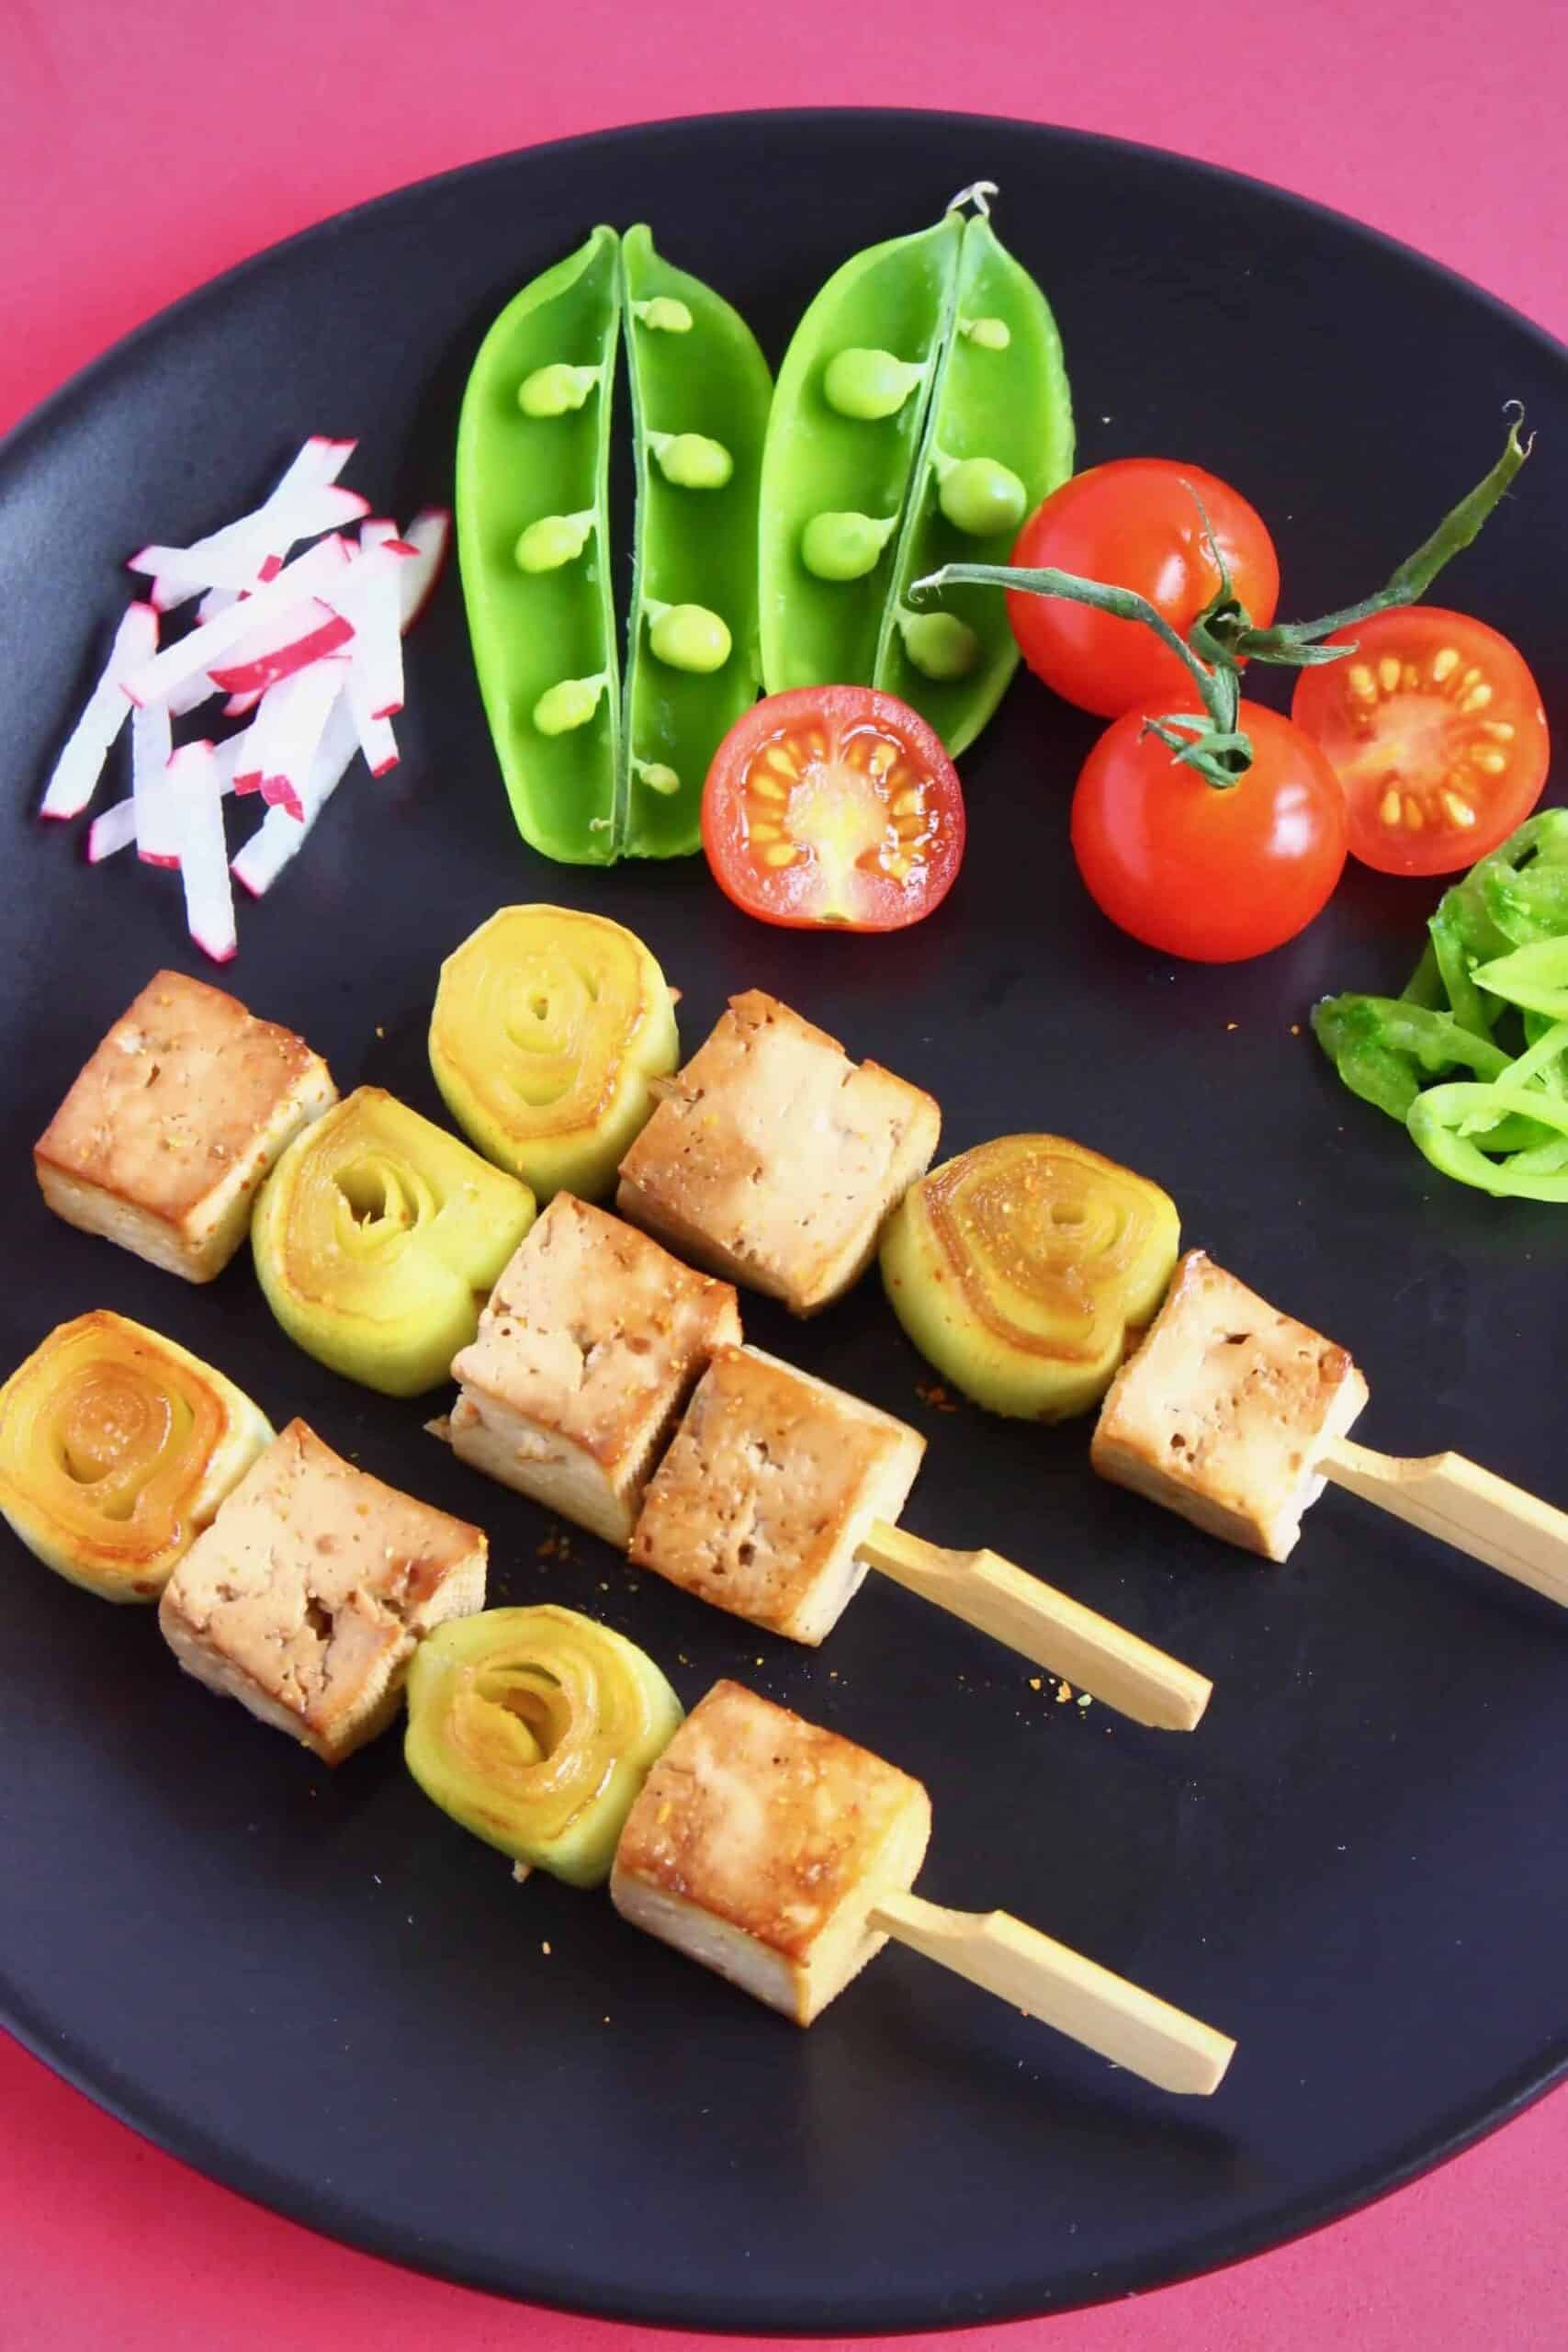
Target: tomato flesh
<point x="1208" y="874"/>
<point x="1434" y="728"/>
<point x="1136" y="523"/>
<point x="833" y="807"/>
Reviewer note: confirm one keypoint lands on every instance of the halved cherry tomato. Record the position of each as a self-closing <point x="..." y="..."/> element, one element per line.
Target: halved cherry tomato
<point x="835" y="805"/>
<point x="1208" y="874"/>
<point x="1136" y="523"/>
<point x="1435" y="729"/>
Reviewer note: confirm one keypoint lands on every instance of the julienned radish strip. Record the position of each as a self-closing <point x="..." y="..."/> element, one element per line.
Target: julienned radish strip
<point x="280" y="837"/>
<point x="368" y="597"/>
<point x="152" y="794"/>
<point x="304" y="638"/>
<point x="376" y="738"/>
<point x="429" y="535"/>
<point x="204" y="852"/>
<point x="117" y="828"/>
<point x="296" y="586"/>
<point x="259" y="535"/>
<point x="80" y="763"/>
<point x="286" y="730"/>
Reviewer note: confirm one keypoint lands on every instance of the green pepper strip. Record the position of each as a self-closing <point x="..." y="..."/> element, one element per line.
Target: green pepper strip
<point x="1382" y="1047"/>
<point x="1441" y="1124"/>
<point x="1535" y="978"/>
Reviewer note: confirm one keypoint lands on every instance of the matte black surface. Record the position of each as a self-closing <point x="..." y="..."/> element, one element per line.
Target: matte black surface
<point x="320" y="1991"/>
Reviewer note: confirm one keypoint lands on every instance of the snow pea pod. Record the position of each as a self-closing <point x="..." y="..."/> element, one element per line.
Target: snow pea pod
<point x="700" y="397"/>
<point x="532" y="473"/>
<point x="922" y="410"/>
<point x="596" y="769"/>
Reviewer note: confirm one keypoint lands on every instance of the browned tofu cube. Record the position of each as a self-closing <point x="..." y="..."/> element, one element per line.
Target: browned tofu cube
<point x="775" y="1159"/>
<point x="1224" y="1409"/>
<point x="770" y="1489"/>
<point x="760" y="1846"/>
<point x="308" y="1595"/>
<point x="592" y="1343"/>
<point x="165" y="1136"/>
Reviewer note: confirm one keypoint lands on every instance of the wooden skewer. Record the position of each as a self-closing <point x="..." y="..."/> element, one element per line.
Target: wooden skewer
<point x="1088" y="2002"/>
<point x="1044" y="1625"/>
<point x="1463" y="1505"/>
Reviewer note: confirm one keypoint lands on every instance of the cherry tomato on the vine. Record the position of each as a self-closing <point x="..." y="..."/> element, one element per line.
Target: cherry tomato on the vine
<point x="1434" y="728"/>
<point x="833" y="806"/>
<point x="1136" y="523"/>
<point x="1214" y="875"/>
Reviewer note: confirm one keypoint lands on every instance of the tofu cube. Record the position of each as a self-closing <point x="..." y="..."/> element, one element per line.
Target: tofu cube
<point x="592" y="1341"/>
<point x="308" y="1595"/>
<point x="1224" y="1409"/>
<point x="760" y="1846"/>
<point x="776" y="1160"/>
<point x="771" y="1487"/>
<point x="163" y="1140"/>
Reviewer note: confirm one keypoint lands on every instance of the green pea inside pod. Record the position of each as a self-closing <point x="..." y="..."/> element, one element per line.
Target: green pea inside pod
<point x="664" y="313"/>
<point x="987" y="334"/>
<point x="869" y="384"/>
<point x="980" y="496"/>
<point x="557" y="390"/>
<point x="658" y="775"/>
<point x="688" y="636"/>
<point x="844" y="546"/>
<point x="939" y="645"/>
<point x="691" y="461"/>
<point x="568" y="704"/>
<point x="535" y="1729"/>
<point x="554" y="540"/>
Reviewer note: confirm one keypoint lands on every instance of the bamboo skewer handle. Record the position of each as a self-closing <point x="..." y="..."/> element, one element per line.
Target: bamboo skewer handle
<point x="1463" y="1505"/>
<point x="1077" y="1997"/>
<point x="1043" y="1625"/>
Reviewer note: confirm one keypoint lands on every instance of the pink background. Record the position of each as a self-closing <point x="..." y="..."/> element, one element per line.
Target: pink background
<point x="149" y="147"/>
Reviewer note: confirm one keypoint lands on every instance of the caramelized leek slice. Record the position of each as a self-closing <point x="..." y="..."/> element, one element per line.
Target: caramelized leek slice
<point x="377" y="1239"/>
<point x="535" y="1729"/>
<point x="1024" y="1269"/>
<point x="116" y="1449"/>
<point x="548" y="1026"/>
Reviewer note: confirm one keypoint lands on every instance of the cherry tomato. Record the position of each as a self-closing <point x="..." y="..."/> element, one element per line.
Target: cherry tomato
<point x="1134" y="522"/>
<point x="833" y="806"/>
<point x="1434" y="728"/>
<point x="1205" y="873"/>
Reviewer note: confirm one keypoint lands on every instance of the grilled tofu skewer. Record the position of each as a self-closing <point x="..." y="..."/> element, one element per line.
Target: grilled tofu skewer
<point x="1237" y="1416"/>
<point x="779" y="1493"/>
<point x="775" y="1493"/>
<point x="783" y="1857"/>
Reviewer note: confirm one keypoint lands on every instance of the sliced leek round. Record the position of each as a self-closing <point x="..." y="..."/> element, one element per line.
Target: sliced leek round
<point x="548" y="1027"/>
<point x="1025" y="1269"/>
<point x="535" y="1729"/>
<point x="117" y="1447"/>
<point x="377" y="1239"/>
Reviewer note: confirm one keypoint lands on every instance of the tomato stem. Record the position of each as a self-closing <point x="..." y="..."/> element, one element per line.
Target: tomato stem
<point x="1212" y="743"/>
<point x="1295" y="643"/>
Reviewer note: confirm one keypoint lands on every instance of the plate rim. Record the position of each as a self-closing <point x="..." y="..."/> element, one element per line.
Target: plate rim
<point x="675" y="2308"/>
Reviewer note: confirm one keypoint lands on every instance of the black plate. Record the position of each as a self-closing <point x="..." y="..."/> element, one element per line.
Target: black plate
<point x="317" y="1989"/>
